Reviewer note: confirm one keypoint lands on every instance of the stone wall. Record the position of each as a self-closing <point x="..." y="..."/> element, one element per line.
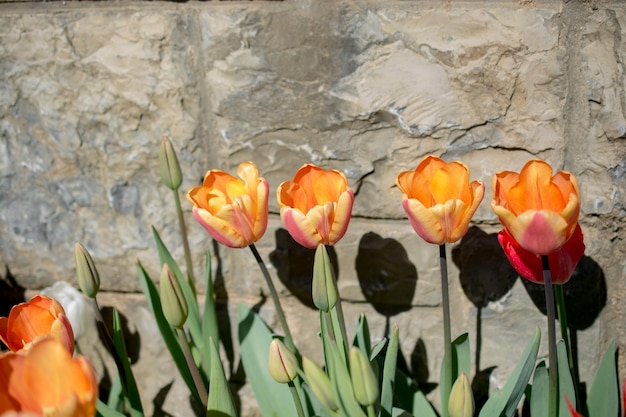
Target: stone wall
<point x="367" y="87"/>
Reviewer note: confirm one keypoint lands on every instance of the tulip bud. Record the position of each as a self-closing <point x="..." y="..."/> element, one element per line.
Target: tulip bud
<point x="88" y="278"/>
<point x="364" y="380"/>
<point x="171" y="174"/>
<point x="324" y="288"/>
<point x="172" y="299"/>
<point x="283" y="363"/>
<point x="319" y="383"/>
<point x="461" y="402"/>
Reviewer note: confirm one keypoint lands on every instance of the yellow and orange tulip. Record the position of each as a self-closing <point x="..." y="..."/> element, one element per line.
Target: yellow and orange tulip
<point x="232" y="210"/>
<point x="316" y="205"/>
<point x="45" y="380"/>
<point x="39" y="317"/>
<point x="439" y="199"/>
<point x="540" y="211"/>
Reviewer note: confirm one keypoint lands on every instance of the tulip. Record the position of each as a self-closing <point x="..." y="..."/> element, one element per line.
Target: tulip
<point x="324" y="288"/>
<point x="233" y="211"/>
<point x="86" y="272"/>
<point x="439" y="199"/>
<point x="175" y="308"/>
<point x="38" y="317"/>
<point x="169" y="167"/>
<point x="315" y="206"/>
<point x="529" y="266"/>
<point x="283" y="364"/>
<point x="461" y="403"/>
<point x="364" y="380"/>
<point x="540" y="211"/>
<point x="320" y="384"/>
<point x="45" y="380"/>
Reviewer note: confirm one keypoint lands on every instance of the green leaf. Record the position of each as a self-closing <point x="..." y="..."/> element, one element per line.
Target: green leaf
<point x="274" y="399"/>
<point x="193" y="319"/>
<point x="505" y="401"/>
<point x="397" y="412"/>
<point x="362" y="338"/>
<point x="132" y="391"/>
<point x="566" y="384"/>
<point x="377" y="348"/>
<point x="220" y="401"/>
<point x="169" y="337"/>
<point x="210" y="327"/>
<point x="103" y="410"/>
<point x="540" y="397"/>
<point x="341" y="382"/>
<point x="409" y="397"/>
<point x="389" y="375"/>
<point x="461" y="361"/>
<point x="116" y="400"/>
<point x="603" y="399"/>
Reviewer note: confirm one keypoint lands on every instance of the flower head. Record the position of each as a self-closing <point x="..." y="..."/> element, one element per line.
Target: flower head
<point x="315" y="206"/>
<point x="439" y="199"/>
<point x="45" y="380"/>
<point x="232" y="210"/>
<point x="39" y="317"/>
<point x="540" y="211"/>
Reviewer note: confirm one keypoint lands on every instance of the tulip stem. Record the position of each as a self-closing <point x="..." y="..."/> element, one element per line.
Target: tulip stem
<point x="370" y="411"/>
<point x="183" y="235"/>
<point x="552" y="359"/>
<point x="296" y="398"/>
<point x="274" y="294"/>
<point x="562" y="315"/>
<point x="191" y="365"/>
<point x="446" y="384"/>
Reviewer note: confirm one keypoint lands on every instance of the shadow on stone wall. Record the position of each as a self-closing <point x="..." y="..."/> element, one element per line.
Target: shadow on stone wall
<point x="11" y="293"/>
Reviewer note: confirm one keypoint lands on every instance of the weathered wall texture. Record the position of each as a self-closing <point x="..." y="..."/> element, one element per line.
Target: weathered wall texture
<point x="369" y="88"/>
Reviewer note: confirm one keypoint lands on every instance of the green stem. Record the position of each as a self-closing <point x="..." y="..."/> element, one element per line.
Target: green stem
<point x="183" y="235"/>
<point x="274" y="294"/>
<point x="296" y="399"/>
<point x="370" y="411"/>
<point x="560" y="304"/>
<point x="552" y="360"/>
<point x="191" y="365"/>
<point x="446" y="384"/>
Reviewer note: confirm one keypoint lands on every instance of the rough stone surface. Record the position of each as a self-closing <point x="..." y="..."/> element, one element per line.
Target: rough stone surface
<point x="369" y="88"/>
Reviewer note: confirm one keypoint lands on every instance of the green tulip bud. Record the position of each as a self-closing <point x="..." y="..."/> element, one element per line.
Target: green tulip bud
<point x="173" y="301"/>
<point x="319" y="383"/>
<point x="461" y="402"/>
<point x="324" y="287"/>
<point x="283" y="363"/>
<point x="171" y="174"/>
<point x="86" y="272"/>
<point x="364" y="380"/>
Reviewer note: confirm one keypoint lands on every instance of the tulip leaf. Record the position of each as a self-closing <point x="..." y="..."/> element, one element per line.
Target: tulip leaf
<point x="603" y="399"/>
<point x="193" y="319"/>
<point x="220" y="401"/>
<point x="397" y="412"/>
<point x="389" y="375"/>
<point x="104" y="410"/>
<point x="362" y="338"/>
<point x="566" y="384"/>
<point x="461" y="362"/>
<point x="539" y="397"/>
<point x="168" y="335"/>
<point x="254" y="341"/>
<point x="127" y="377"/>
<point x="409" y="397"/>
<point x="116" y="400"/>
<point x="341" y="382"/>
<point x="505" y="401"/>
<point x="210" y="328"/>
<point x="377" y="348"/>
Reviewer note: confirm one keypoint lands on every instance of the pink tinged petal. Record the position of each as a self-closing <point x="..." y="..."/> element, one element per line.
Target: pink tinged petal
<point x="343" y="211"/>
<point x="320" y="218"/>
<point x="62" y="330"/>
<point x="449" y="216"/>
<point x="218" y="229"/>
<point x="262" y="193"/>
<point x="424" y="222"/>
<point x="300" y="228"/>
<point x="539" y="231"/>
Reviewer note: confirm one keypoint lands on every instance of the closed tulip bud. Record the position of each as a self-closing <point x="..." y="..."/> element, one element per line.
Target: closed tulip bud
<point x="283" y="364"/>
<point x="86" y="272"/>
<point x="461" y="402"/>
<point x="324" y="290"/>
<point x="364" y="381"/>
<point x="320" y="384"/>
<point x="171" y="174"/>
<point x="175" y="307"/>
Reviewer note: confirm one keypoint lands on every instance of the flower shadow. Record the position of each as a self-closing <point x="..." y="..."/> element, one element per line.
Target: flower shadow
<point x="11" y="293"/>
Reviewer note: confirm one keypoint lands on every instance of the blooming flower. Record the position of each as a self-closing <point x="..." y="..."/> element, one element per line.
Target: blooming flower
<point x="528" y="265"/>
<point x="540" y="211"/>
<point x="315" y="206"/>
<point x="233" y="211"/>
<point x="38" y="317"/>
<point x="77" y="307"/>
<point x="439" y="199"/>
<point x="45" y="380"/>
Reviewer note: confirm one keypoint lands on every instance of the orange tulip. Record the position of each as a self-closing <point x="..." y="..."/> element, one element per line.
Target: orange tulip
<point x="39" y="317"/>
<point x="233" y="211"/>
<point x="316" y="205"/>
<point x="47" y="381"/>
<point x="439" y="199"/>
<point x="538" y="210"/>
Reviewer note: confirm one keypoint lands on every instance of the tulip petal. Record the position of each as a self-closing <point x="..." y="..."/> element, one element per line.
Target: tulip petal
<point x="540" y="232"/>
<point x="343" y="210"/>
<point x="300" y="228"/>
<point x="424" y="222"/>
<point x="218" y="229"/>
